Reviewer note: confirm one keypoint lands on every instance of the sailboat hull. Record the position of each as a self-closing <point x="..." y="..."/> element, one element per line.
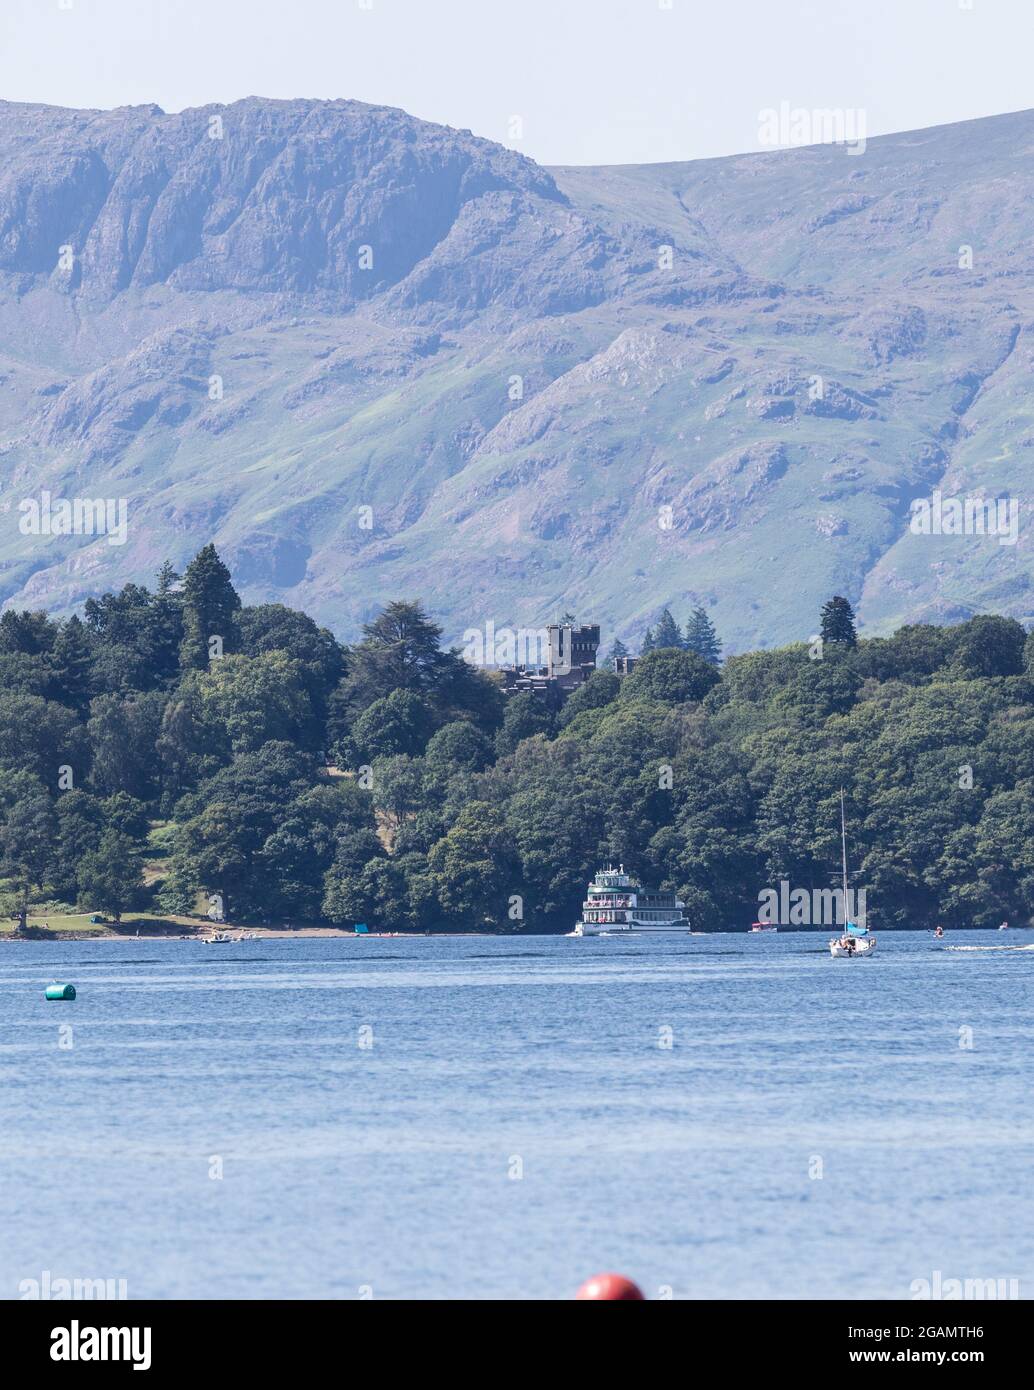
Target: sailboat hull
<point x="861" y="948"/>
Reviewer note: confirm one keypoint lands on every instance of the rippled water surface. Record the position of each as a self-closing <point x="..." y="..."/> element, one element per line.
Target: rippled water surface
<point x="518" y="1122"/>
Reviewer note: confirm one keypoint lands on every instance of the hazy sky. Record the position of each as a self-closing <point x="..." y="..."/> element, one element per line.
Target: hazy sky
<point x="593" y="81"/>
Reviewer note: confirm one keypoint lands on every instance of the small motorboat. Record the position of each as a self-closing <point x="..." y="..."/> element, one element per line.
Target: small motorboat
<point x="763" y="926"/>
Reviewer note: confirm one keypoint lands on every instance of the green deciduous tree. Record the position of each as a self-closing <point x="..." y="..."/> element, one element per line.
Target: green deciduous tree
<point x="674" y="677"/>
<point x="41" y="737"/>
<point x="458" y="747"/>
<point x="599" y="690"/>
<point x="123" y="732"/>
<point x="110" y="875"/>
<point x="321" y="658"/>
<point x="525" y="716"/>
<point x="473" y="870"/>
<point x="401" y="722"/>
<point x="989" y="646"/>
<point x="224" y="826"/>
<point x="80" y="823"/>
<point x="302" y="847"/>
<point x="28" y="832"/>
<point x="246" y="701"/>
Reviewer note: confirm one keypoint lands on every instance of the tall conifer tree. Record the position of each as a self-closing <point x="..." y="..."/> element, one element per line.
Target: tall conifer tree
<point x="702" y="638"/>
<point x="838" y="622"/>
<point x="210" y="609"/>
<point x="617" y="651"/>
<point x="668" y="633"/>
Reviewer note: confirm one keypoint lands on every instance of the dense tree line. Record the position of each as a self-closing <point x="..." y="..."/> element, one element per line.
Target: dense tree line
<point x="244" y="754"/>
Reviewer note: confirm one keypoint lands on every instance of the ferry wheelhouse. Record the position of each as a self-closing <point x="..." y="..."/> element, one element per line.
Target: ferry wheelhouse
<point x="617" y="903"/>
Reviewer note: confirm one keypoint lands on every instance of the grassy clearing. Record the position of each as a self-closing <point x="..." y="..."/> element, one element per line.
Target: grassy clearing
<point x="66" y="921"/>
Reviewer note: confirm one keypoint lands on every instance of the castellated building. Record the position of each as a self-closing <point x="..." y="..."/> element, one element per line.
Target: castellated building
<point x="571" y="660"/>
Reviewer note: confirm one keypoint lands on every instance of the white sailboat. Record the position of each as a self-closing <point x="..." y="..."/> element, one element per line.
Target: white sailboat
<point x="856" y="941"/>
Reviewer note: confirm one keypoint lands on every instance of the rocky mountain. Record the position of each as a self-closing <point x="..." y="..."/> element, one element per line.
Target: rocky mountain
<point x="374" y="357"/>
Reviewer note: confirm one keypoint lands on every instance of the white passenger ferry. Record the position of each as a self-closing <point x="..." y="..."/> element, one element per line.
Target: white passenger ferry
<point x="616" y="903"/>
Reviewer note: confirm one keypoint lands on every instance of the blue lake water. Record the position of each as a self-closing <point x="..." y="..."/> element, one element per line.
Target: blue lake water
<point x="391" y="1168"/>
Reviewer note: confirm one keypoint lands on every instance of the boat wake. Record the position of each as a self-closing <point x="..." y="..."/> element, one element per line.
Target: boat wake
<point x="990" y="948"/>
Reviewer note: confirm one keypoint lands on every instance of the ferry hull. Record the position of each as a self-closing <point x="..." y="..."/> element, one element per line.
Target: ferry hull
<point x="631" y="929"/>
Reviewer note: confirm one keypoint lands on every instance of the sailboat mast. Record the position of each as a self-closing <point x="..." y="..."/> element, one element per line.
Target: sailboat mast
<point x="843" y="852"/>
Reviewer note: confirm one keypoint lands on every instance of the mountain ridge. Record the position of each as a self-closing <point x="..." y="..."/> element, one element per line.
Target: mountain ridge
<point x="535" y="364"/>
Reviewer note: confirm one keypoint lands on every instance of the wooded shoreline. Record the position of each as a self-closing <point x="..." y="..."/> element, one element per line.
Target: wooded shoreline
<point x="177" y="756"/>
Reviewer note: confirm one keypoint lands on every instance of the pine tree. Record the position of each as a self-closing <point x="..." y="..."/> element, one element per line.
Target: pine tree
<point x="648" y="642"/>
<point x="165" y="626"/>
<point x="617" y="651"/>
<point x="71" y="665"/>
<point x="210" y="609"/>
<point x="668" y="633"/>
<point x="702" y="638"/>
<point x="167" y="579"/>
<point x="838" y="622"/>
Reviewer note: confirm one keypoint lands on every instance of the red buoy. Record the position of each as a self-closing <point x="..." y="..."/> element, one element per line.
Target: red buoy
<point x="610" y="1286"/>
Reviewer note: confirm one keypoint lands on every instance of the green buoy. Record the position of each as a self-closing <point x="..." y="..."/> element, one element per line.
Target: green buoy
<point x="60" y="991"/>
